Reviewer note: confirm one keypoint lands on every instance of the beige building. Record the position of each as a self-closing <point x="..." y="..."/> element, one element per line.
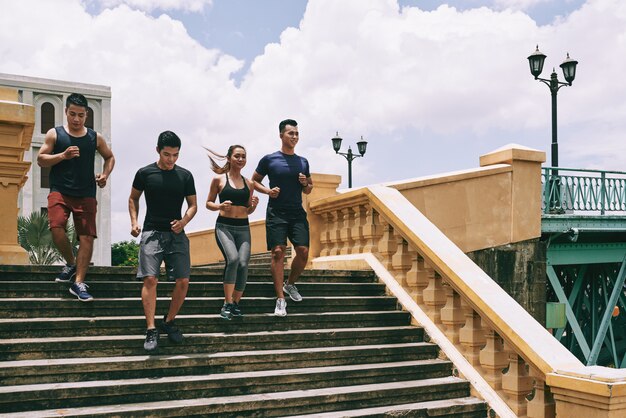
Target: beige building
<point x="48" y="98"/>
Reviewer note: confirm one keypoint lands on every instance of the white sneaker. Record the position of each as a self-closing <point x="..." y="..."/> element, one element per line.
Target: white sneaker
<point x="292" y="291"/>
<point x="281" y="307"/>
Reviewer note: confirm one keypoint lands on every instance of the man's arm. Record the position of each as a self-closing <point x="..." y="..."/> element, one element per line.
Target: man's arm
<point x="306" y="183"/>
<point x="192" y="208"/>
<point x="46" y="158"/>
<point x="253" y="201"/>
<point x="109" y="160"/>
<point x="133" y="211"/>
<point x="258" y="186"/>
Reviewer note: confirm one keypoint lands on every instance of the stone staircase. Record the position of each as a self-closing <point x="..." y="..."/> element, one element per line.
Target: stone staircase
<point x="347" y="350"/>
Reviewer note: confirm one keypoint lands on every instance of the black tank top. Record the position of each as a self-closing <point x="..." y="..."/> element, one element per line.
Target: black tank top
<point x="238" y="197"/>
<point x="75" y="177"/>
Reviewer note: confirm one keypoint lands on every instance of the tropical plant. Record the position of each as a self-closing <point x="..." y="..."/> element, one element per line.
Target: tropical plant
<point x="124" y="253"/>
<point x="34" y="236"/>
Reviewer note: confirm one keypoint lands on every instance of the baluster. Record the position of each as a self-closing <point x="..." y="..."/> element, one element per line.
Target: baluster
<point x="472" y="335"/>
<point x="542" y="404"/>
<point x="335" y="233"/>
<point x="346" y="231"/>
<point x="411" y="275"/>
<point x="360" y="219"/>
<point x="516" y="383"/>
<point x="418" y="278"/>
<point x="387" y="244"/>
<point x="401" y="260"/>
<point x="325" y="241"/>
<point x="493" y="359"/>
<point x="434" y="296"/>
<point x="452" y="315"/>
<point x="371" y="231"/>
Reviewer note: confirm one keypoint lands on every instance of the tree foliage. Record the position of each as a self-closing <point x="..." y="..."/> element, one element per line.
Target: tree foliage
<point x="34" y="236"/>
<point x="124" y="253"/>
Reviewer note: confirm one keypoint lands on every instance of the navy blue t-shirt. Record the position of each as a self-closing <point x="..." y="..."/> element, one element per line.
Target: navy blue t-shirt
<point x="165" y="191"/>
<point x="283" y="170"/>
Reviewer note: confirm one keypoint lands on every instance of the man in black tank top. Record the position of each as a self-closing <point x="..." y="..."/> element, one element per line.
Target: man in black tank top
<point x="70" y="151"/>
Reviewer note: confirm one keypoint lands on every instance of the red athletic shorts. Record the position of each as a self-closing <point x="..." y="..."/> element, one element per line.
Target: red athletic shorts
<point x="83" y="210"/>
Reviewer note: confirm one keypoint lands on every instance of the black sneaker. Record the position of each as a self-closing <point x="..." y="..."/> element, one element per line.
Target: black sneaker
<point x="235" y="310"/>
<point x="172" y="331"/>
<point x="152" y="340"/>
<point x="226" y="311"/>
<point x="67" y="274"/>
<point x="80" y="291"/>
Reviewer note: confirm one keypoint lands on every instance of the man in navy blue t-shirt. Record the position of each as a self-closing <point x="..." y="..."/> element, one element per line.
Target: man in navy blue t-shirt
<point x="289" y="176"/>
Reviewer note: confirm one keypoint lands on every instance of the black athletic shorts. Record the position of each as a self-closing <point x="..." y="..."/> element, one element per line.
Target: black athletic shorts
<point x="281" y="224"/>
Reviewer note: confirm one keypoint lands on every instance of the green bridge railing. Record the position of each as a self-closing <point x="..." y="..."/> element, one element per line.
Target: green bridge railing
<point x="573" y="189"/>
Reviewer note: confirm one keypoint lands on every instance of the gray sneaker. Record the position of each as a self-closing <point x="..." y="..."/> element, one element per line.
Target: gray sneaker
<point x="292" y="291"/>
<point x="152" y="340"/>
<point x="281" y="307"/>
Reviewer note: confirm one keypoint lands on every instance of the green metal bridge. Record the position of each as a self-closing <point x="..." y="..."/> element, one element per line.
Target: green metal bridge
<point x="584" y="227"/>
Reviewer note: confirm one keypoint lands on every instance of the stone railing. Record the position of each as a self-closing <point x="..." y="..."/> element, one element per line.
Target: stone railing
<point x="510" y="359"/>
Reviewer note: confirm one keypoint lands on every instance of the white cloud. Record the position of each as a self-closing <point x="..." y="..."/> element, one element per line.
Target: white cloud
<point x="430" y="91"/>
<point x="152" y="5"/>
<point x="518" y="4"/>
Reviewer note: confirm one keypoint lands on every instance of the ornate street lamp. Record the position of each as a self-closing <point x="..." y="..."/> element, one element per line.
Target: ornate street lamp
<point x="361" y="146"/>
<point x="536" y="60"/>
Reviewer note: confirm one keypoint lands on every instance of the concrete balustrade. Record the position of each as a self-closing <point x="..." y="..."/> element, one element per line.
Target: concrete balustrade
<point x="415" y="234"/>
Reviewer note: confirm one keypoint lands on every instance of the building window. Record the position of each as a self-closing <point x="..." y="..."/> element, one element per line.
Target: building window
<point x="47" y="117"/>
<point x="89" y="121"/>
<point x="45" y="177"/>
<point x="44" y="211"/>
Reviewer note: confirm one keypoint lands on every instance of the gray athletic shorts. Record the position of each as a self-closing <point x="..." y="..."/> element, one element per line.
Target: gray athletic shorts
<point x="158" y="246"/>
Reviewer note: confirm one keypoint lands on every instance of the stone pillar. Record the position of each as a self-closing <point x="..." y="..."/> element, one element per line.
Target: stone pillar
<point x="324" y="185"/>
<point x="17" y="121"/>
<point x="525" y="188"/>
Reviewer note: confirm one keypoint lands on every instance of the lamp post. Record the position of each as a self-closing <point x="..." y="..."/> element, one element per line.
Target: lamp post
<point x="361" y="146"/>
<point x="536" y="60"/>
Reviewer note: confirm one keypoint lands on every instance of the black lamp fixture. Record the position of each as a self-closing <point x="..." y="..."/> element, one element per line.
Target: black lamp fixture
<point x="361" y="146"/>
<point x="536" y="60"/>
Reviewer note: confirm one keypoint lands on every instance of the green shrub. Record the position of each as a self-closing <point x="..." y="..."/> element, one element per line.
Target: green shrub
<point x="124" y="253"/>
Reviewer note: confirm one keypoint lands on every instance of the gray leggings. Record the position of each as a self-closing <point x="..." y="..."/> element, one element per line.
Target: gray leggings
<point x="234" y="243"/>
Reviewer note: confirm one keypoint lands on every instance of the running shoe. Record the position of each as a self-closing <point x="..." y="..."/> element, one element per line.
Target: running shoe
<point x="68" y="272"/>
<point x="172" y="331"/>
<point x="80" y="291"/>
<point x="152" y="340"/>
<point x="292" y="291"/>
<point x="281" y="307"/>
<point x="226" y="311"/>
<point x="235" y="309"/>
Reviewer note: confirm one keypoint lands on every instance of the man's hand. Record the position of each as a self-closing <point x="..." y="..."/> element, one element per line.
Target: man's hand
<point x="135" y="230"/>
<point x="303" y="180"/>
<point x="71" y="152"/>
<point x="101" y="180"/>
<point x="274" y="192"/>
<point x="177" y="226"/>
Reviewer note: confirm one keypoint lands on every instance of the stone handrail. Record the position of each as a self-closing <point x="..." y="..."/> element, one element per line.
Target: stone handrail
<point x="485" y="327"/>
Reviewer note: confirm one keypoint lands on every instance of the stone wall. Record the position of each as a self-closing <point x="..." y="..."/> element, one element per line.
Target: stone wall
<point x="520" y="269"/>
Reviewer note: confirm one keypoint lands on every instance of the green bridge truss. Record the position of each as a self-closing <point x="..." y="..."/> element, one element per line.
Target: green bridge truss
<point x="584" y="225"/>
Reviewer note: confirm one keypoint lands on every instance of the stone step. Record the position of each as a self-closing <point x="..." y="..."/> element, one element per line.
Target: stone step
<point x="26" y="372"/>
<point x="451" y="408"/>
<point x="76" y="394"/>
<point x="132" y="345"/>
<point x="58" y="307"/>
<point x="280" y="403"/>
<point x="124" y="325"/>
<point x="121" y="289"/>
<point x="215" y="273"/>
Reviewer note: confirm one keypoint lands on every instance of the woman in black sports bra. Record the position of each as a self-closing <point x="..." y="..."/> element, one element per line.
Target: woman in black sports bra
<point x="232" y="229"/>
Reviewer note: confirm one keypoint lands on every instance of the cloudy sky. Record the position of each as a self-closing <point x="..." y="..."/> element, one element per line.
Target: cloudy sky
<point x="430" y="85"/>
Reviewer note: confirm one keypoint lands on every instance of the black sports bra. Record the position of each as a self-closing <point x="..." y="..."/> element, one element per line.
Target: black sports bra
<point x="238" y="197"/>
